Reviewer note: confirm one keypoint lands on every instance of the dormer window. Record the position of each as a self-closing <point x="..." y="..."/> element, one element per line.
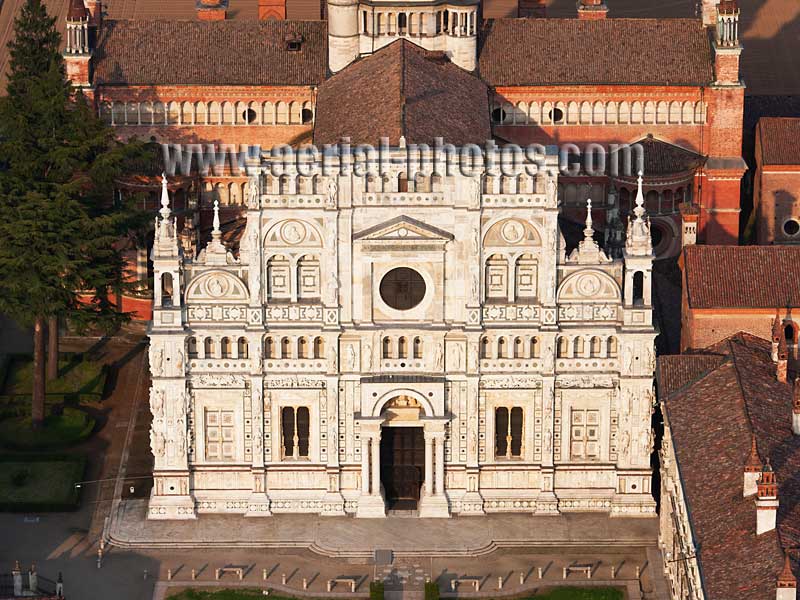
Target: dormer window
<point x="294" y="42"/>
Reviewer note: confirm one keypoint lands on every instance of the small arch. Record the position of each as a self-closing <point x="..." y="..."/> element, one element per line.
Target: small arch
<point x="613" y="347"/>
<point x="502" y="348"/>
<point x="518" y="348"/>
<point x="578" y="347"/>
<point x="225" y="347"/>
<point x="242" y="348"/>
<point x="417" y="347"/>
<point x="535" y="347"/>
<point x="638" y="288"/>
<point x="302" y="347"/>
<point x="286" y="348"/>
<point x="562" y="348"/>
<point x="402" y="347"/>
<point x="484" y="347"/>
<point x="319" y="347"/>
<point x="166" y="289"/>
<point x="386" y="348"/>
<point x="191" y="347"/>
<point x="269" y="347"/>
<point x="208" y="347"/>
<point x="596" y="347"/>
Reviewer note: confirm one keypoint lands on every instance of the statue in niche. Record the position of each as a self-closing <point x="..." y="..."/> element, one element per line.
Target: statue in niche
<point x="157" y="443"/>
<point x="333" y="189"/>
<point x="180" y="442"/>
<point x="157" y="403"/>
<point x="438" y="360"/>
<point x="368" y="356"/>
<point x="475" y="284"/>
<point x="547" y="356"/>
<point x="624" y="443"/>
<point x="332" y="287"/>
<point x="473" y="354"/>
<point x="158" y="359"/>
<point x="352" y="359"/>
<point x="179" y="362"/>
<point x="458" y="355"/>
<point x="332" y="359"/>
<point x="253" y="193"/>
<point x="476" y="241"/>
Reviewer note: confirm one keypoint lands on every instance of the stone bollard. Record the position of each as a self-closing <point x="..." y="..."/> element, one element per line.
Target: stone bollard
<point x="638" y="571"/>
<point x="169" y="574"/>
<point x="453" y="585"/>
<point x="33" y="579"/>
<point x="283" y="578"/>
<point x="613" y="572"/>
<point x="216" y="574"/>
<point x="522" y="578"/>
<point x="264" y="574"/>
<point x="194" y="574"/>
<point x="500" y="583"/>
<point x="540" y="572"/>
<point x="305" y="583"/>
<point x="144" y="576"/>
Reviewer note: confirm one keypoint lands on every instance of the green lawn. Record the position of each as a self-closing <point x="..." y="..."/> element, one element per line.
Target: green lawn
<point x="71" y="427"/>
<point x="76" y="375"/>
<point x="29" y="483"/>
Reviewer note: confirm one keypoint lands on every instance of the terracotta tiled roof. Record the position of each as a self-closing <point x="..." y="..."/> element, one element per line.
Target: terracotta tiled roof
<point x="712" y="422"/>
<point x="577" y="51"/>
<point x="663" y="158"/>
<point x="678" y="370"/>
<point x="210" y="53"/>
<point x="406" y="90"/>
<point x="779" y="141"/>
<point x="742" y="276"/>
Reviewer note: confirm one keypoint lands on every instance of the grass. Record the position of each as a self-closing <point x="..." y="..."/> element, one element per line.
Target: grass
<point x="30" y="483"/>
<point x="69" y="428"/>
<point x="76" y="375"/>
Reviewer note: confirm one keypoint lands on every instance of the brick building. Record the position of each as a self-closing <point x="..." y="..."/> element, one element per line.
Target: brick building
<point x="729" y="458"/>
<point x="776" y="189"/>
<point x="726" y="289"/>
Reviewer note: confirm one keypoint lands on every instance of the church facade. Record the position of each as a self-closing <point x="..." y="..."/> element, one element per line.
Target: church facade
<point x="387" y="343"/>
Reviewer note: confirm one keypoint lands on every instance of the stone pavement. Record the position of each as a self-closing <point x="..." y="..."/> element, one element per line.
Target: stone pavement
<point x="359" y="538"/>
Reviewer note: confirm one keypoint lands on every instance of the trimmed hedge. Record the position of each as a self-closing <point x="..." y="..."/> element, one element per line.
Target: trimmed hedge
<point x="376" y="590"/>
<point x="78" y="463"/>
<point x="68" y="428"/>
<point x="431" y="590"/>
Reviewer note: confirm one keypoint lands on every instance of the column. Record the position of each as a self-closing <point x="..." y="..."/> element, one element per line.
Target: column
<point x="439" y="447"/>
<point x="428" y="465"/>
<point x="376" y="465"/>
<point x="364" y="465"/>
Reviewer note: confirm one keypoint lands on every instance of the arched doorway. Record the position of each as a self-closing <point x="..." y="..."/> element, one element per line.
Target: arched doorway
<point x="402" y="453"/>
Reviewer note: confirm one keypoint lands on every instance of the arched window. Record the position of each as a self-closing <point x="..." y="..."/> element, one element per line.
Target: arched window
<point x="613" y="347"/>
<point x="563" y="347"/>
<point x="638" y="288"/>
<point x="208" y="347"/>
<point x="535" y="347"/>
<point x="269" y="347"/>
<point x="402" y="347"/>
<point x="596" y="347"/>
<point x="502" y="348"/>
<point x="302" y="348"/>
<point x="402" y="23"/>
<point x="191" y="347"/>
<point x="789" y="332"/>
<point x="417" y="347"/>
<point x="518" y="351"/>
<point x="166" y="289"/>
<point x="484" y="348"/>
<point x="225" y="347"/>
<point x="242" y="347"/>
<point x="286" y="347"/>
<point x="386" y="350"/>
<point x="578" y="347"/>
<point x="308" y="277"/>
<point x="319" y="347"/>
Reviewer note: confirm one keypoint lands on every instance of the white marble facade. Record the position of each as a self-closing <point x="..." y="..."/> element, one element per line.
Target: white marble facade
<point x="276" y="373"/>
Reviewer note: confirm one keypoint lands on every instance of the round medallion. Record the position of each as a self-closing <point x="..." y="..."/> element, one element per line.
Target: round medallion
<point x="217" y="287"/>
<point x="293" y="232"/>
<point x="588" y="285"/>
<point x="513" y="231"/>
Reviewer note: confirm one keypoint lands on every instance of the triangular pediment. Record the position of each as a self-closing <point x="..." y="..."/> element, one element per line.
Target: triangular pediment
<point x="404" y="228"/>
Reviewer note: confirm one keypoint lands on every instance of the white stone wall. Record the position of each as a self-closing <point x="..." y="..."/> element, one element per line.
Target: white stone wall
<point x="297" y="323"/>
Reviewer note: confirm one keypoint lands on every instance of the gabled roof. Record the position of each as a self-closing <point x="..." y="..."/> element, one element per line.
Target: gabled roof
<point x="210" y="53"/>
<point x="403" y="228"/>
<point x="742" y="276"/>
<point x="403" y="90"/>
<point x="778" y="138"/>
<point x="518" y="52"/>
<point x="714" y="408"/>
<point x="663" y="158"/>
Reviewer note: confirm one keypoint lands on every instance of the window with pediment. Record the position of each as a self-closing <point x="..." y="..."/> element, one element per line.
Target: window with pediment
<point x="585" y="434"/>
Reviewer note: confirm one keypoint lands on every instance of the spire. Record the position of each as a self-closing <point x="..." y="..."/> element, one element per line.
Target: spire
<point x="767" y="483"/>
<point x="754" y="460"/>
<point x="588" y="232"/>
<point x="588" y="251"/>
<point x="786" y="579"/>
<point x="216" y="234"/>
<point x="777" y="327"/>
<point x="165" y="211"/>
<point x="639" y="242"/>
<point x="215" y="252"/>
<point x="77" y="11"/>
<point x="639" y="210"/>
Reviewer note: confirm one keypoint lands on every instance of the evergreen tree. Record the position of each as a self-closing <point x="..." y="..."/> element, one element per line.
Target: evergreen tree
<point x="59" y="225"/>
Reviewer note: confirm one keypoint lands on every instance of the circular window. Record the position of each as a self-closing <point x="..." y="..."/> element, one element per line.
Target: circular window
<point x="657" y="235"/>
<point x="402" y="288"/>
<point x="249" y="116"/>
<point x="556" y="115"/>
<point x="307" y="115"/>
<point x="791" y="227"/>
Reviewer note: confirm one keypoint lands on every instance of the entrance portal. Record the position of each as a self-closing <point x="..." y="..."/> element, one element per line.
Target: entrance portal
<point x="402" y="466"/>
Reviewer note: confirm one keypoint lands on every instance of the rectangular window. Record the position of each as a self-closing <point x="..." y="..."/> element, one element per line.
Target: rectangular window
<point x="585" y="434"/>
<point x="220" y="444"/>
<point x="508" y="432"/>
<point x="295" y="424"/>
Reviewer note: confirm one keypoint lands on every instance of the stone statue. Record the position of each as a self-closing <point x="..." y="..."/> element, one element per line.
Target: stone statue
<point x="332" y="359"/>
<point x="438" y="357"/>
<point x="352" y="359"/>
<point x="333" y="188"/>
<point x="253" y="193"/>
<point x="179" y="363"/>
<point x="180" y="442"/>
<point x="157" y="443"/>
<point x="157" y="403"/>
<point x="547" y="357"/>
<point x="332" y="288"/>
<point x="368" y="356"/>
<point x="158" y="358"/>
<point x="625" y="443"/>
<point x="473" y="355"/>
<point x="475" y="191"/>
<point x="475" y="284"/>
<point x="458" y="355"/>
<point x="476" y="241"/>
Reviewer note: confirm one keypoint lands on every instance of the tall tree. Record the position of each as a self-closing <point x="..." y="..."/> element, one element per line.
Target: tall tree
<point x="58" y="224"/>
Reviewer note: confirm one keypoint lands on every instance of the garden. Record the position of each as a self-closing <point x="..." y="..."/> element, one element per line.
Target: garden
<point x="38" y="472"/>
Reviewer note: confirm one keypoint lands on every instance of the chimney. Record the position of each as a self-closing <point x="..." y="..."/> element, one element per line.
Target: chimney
<point x="78" y="46"/>
<point x="211" y="10"/>
<point x="272" y="9"/>
<point x="689" y="216"/>
<point x="727" y="49"/>
<point x="752" y="469"/>
<point x="777" y="334"/>
<point x="592" y="9"/>
<point x="782" y="366"/>
<point x="766" y="500"/>
<point x="786" y="587"/>
<point x="532" y="9"/>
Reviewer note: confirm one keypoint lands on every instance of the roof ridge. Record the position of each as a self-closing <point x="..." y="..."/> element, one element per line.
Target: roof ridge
<point x="724" y="359"/>
<point x="403" y="47"/>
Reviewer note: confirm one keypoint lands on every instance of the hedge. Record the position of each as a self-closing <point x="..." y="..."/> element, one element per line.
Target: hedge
<point x="44" y="505"/>
<point x="431" y="590"/>
<point x="376" y="590"/>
